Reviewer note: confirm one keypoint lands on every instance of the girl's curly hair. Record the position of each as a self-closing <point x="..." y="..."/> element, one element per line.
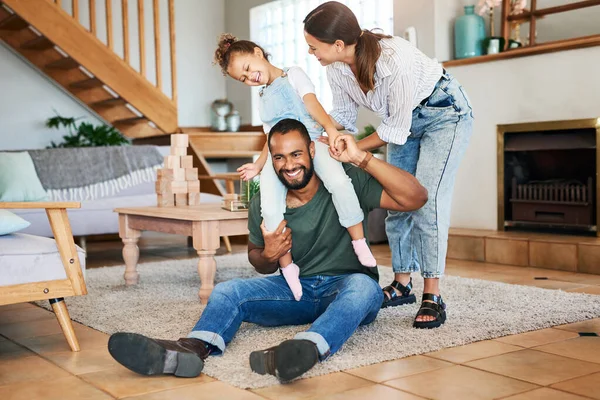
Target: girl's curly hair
<point x="229" y="45"/>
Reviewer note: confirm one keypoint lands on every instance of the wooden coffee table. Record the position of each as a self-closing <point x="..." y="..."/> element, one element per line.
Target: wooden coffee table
<point x="204" y="223"/>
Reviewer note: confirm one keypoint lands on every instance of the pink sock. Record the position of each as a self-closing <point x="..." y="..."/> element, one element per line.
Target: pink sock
<point x="363" y="252"/>
<point x="291" y="273"/>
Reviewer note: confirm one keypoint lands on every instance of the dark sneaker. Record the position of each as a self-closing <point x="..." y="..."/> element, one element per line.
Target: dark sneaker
<point x="287" y="361"/>
<point x="143" y="355"/>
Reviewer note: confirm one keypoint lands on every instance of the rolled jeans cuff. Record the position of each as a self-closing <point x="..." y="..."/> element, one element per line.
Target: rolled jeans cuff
<point x="408" y="270"/>
<point x="209" y="337"/>
<point x="428" y="275"/>
<point x="318" y="340"/>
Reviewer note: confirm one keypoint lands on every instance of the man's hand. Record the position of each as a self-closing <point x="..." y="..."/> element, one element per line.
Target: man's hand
<point x="350" y="153"/>
<point x="248" y="171"/>
<point x="277" y="243"/>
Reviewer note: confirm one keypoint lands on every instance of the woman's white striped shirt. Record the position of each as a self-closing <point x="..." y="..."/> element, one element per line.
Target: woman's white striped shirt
<point x="404" y="76"/>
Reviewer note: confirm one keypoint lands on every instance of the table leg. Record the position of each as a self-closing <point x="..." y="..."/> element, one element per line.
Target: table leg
<point x="131" y="251"/>
<point x="206" y="242"/>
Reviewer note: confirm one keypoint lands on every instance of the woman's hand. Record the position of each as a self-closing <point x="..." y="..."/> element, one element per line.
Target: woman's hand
<point x="248" y="171"/>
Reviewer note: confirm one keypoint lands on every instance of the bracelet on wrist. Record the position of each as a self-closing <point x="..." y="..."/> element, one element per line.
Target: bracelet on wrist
<point x="365" y="161"/>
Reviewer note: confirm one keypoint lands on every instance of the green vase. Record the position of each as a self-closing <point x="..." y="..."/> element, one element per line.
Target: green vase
<point x="469" y="33"/>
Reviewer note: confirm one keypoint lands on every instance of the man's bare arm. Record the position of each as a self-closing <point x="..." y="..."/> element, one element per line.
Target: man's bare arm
<point x="401" y="190"/>
<point x="261" y="264"/>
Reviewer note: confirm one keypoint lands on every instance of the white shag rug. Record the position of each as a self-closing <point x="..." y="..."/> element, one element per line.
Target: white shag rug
<point x="165" y="305"/>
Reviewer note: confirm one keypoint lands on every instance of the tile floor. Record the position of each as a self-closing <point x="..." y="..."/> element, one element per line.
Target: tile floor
<point x="556" y="363"/>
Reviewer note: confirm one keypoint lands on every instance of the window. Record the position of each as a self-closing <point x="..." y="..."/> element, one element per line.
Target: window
<point x="277" y="27"/>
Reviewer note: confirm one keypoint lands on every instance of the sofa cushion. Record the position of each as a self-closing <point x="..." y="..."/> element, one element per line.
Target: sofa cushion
<point x="10" y="222"/>
<point x="26" y="258"/>
<point x="18" y="179"/>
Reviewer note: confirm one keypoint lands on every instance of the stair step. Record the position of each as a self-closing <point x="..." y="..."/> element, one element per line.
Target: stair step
<point x="129" y="121"/>
<point x="87" y="84"/>
<point x="39" y="43"/>
<point x="114" y="102"/>
<point x="13" y="23"/>
<point x="63" y="63"/>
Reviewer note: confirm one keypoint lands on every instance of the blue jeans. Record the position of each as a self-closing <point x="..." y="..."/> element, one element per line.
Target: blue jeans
<point x="440" y="133"/>
<point x="335" y="305"/>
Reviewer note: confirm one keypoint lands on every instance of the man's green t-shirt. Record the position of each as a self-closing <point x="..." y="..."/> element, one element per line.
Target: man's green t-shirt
<point x="320" y="245"/>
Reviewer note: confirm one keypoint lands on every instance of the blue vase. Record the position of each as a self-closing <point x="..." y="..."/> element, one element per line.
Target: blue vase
<point x="469" y="33"/>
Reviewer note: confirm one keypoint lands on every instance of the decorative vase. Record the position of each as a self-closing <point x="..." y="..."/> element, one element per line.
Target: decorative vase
<point x="233" y="121"/>
<point x="219" y="110"/>
<point x="494" y="45"/>
<point x="469" y="32"/>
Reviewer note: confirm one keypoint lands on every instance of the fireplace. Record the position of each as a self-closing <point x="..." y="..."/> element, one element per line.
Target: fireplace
<point x="547" y="176"/>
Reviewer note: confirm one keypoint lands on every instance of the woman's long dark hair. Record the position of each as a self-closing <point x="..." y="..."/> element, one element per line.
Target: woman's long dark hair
<point x="333" y="21"/>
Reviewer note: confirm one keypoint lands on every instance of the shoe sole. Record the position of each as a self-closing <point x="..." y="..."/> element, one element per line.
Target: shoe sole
<point x="144" y="356"/>
<point x="399" y="301"/>
<point x="287" y="361"/>
<point x="430" y="324"/>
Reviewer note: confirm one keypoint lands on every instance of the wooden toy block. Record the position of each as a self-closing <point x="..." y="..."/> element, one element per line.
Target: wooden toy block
<point x="191" y="174"/>
<point x="165" y="173"/>
<point x="193" y="186"/>
<point x="181" y="199"/>
<point x="163" y="185"/>
<point x="178" y="151"/>
<point x="179" y="187"/>
<point x="165" y="200"/>
<point x="234" y="205"/>
<point x="193" y="199"/>
<point x="179" y="174"/>
<point x="172" y="162"/>
<point x="179" y="140"/>
<point x="187" y="162"/>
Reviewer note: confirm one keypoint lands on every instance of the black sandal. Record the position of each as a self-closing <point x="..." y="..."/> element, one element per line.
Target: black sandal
<point x="397" y="300"/>
<point x="436" y="309"/>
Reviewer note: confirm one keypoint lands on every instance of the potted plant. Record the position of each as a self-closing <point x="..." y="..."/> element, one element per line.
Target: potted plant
<point x="85" y="134"/>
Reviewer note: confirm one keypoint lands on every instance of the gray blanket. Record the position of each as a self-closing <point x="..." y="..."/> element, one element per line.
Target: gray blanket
<point x="75" y="174"/>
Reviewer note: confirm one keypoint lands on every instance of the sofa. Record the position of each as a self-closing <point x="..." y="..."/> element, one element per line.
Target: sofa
<point x="96" y="217"/>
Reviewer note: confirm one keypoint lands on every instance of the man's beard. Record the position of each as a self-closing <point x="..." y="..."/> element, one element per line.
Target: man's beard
<point x="307" y="174"/>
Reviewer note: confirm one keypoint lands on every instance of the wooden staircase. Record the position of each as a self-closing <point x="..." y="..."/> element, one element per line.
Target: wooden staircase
<point x="60" y="47"/>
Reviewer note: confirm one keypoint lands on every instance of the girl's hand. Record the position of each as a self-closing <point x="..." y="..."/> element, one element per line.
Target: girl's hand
<point x="324" y="140"/>
<point x="333" y="144"/>
<point x="248" y="171"/>
<point x="340" y="144"/>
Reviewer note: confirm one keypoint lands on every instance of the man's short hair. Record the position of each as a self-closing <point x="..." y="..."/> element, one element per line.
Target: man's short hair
<point x="288" y="125"/>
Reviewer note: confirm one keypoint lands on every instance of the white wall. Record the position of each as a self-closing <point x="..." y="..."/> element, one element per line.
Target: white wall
<point x="27" y="99"/>
<point x="33" y="97"/>
<point x="557" y="86"/>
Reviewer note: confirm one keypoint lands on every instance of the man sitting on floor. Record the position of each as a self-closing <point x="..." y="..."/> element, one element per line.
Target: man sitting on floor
<point x="339" y="293"/>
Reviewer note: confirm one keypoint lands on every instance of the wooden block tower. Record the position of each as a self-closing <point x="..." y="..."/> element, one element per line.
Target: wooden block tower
<point x="177" y="183"/>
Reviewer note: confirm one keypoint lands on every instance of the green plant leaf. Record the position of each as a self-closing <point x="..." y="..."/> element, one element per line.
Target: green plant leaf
<point x="85" y="134"/>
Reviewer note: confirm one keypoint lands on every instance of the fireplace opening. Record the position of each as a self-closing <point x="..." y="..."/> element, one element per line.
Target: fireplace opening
<point x="550" y="181"/>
